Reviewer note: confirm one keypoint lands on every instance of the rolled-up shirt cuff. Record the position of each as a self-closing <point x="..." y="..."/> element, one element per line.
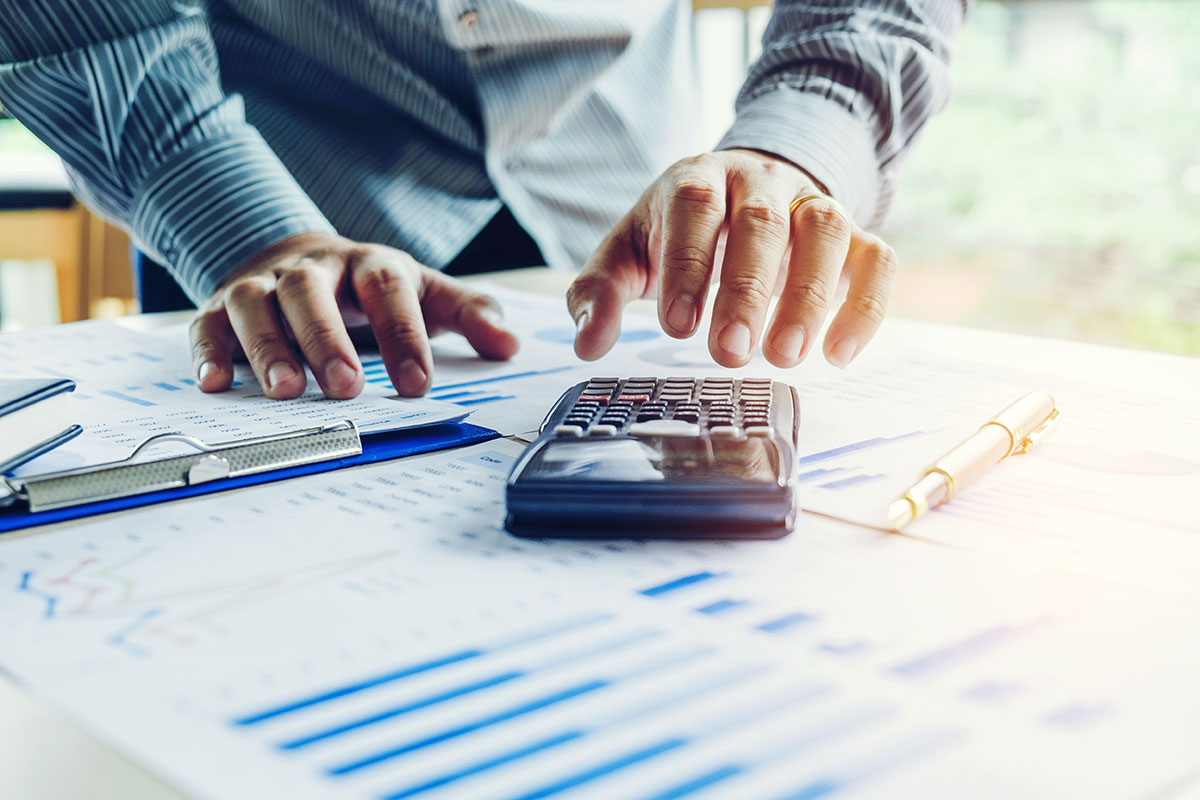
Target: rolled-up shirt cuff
<point x="212" y="206"/>
<point x="816" y="134"/>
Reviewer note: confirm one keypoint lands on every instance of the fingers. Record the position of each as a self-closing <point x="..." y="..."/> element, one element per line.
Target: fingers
<point x="212" y="342"/>
<point x="872" y="268"/>
<point x="693" y="215"/>
<point x="450" y="306"/>
<point x="385" y="283"/>
<point x="754" y="250"/>
<point x="820" y="242"/>
<point x="306" y="298"/>
<point x="254" y="315"/>
<point x="616" y="274"/>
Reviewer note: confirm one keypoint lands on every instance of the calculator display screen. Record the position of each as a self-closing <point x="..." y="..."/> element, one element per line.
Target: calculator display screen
<point x="657" y="458"/>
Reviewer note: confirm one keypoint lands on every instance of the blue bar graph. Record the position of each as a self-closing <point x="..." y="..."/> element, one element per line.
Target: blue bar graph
<point x="908" y="748"/>
<point x="170" y="387"/>
<point x="147" y="356"/>
<point x="813" y="474"/>
<point x="417" y="669"/>
<point x="681" y="583"/>
<point x="721" y="606"/>
<point x="498" y="378"/>
<point x="396" y="711"/>
<point x="821" y="733"/>
<point x="744" y="714"/>
<point x="608" y="646"/>
<point x="537" y="704"/>
<point x="787" y="623"/>
<point x="520" y="710"/>
<point x="454" y="395"/>
<point x="127" y="398"/>
<point x="491" y="763"/>
<point x="853" y="480"/>
<point x="662" y="702"/>
<point x="599" y="771"/>
<point x="354" y="688"/>
<point x="481" y="400"/>
<point x="856" y="447"/>
<point x="967" y="648"/>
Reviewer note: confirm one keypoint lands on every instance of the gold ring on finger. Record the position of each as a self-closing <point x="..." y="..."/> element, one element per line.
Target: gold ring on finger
<point x="799" y="201"/>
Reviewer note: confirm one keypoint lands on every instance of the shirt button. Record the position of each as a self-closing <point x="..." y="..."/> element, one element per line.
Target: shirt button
<point x="468" y="19"/>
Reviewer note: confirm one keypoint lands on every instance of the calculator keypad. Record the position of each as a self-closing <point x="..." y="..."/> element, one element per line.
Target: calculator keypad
<point x="678" y="406"/>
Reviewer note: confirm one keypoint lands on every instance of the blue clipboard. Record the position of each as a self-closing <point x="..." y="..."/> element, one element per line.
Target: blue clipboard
<point x="375" y="447"/>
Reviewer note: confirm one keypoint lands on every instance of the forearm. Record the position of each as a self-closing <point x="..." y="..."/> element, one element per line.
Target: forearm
<point x="128" y="94"/>
<point x="843" y="88"/>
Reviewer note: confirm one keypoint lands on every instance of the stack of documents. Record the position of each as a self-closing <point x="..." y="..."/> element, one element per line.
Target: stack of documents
<point x="374" y="633"/>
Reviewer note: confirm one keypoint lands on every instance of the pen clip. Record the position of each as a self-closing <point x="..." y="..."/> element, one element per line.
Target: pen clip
<point x="1039" y="433"/>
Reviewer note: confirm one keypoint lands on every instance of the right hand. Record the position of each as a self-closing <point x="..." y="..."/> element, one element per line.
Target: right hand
<point x="294" y="302"/>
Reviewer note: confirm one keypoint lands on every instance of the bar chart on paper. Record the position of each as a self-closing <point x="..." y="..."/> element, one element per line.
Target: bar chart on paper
<point x="624" y="670"/>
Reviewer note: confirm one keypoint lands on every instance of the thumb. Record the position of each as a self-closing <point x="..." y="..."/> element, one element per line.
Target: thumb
<point x="619" y="271"/>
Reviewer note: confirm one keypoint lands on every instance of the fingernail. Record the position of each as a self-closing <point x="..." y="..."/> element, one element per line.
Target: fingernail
<point x="206" y="369"/>
<point x="735" y="339"/>
<point x="582" y="320"/>
<point x="493" y="317"/>
<point x="412" y="376"/>
<point x="681" y="315"/>
<point x="843" y="351"/>
<point x="339" y="375"/>
<point x="278" y="373"/>
<point x="789" y="341"/>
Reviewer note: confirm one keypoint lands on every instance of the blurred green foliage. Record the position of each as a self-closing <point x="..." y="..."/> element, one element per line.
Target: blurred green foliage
<point x="15" y="139"/>
<point x="1067" y="168"/>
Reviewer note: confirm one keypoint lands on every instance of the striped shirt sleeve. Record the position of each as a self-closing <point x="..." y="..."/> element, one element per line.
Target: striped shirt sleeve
<point x="843" y="88"/>
<point x="127" y="92"/>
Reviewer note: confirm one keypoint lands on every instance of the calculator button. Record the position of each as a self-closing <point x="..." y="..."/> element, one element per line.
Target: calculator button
<point x="634" y="398"/>
<point x="604" y="430"/>
<point x="725" y="431"/>
<point x="664" y="427"/>
<point x="758" y="430"/>
<point x="568" y="430"/>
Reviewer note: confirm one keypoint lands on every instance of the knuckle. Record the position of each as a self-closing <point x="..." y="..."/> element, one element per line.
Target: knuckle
<point x="249" y="290"/>
<point x="265" y="347"/>
<point x="317" y="332"/>
<point x="870" y="307"/>
<point x="813" y="293"/>
<point x="401" y="330"/>
<point x="885" y="259"/>
<point x="748" y="288"/>
<point x="689" y="258"/>
<point x="204" y="346"/>
<point x="379" y="279"/>
<point x="762" y="217"/>
<point x="699" y="196"/>
<point x="823" y="217"/>
<point x="299" y="279"/>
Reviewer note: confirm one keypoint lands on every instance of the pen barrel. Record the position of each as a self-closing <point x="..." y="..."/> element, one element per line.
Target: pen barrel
<point x="968" y="462"/>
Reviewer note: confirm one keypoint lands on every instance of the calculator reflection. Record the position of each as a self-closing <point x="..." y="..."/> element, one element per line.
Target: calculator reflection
<point x="658" y="458"/>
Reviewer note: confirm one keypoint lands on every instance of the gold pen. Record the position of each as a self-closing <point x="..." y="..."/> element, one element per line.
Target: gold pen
<point x="1016" y="429"/>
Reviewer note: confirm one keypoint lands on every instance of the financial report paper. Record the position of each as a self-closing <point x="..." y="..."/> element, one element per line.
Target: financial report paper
<point x="131" y="385"/>
<point x="374" y="633"/>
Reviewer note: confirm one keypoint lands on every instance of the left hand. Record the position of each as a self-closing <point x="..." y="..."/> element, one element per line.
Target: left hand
<point x="669" y="244"/>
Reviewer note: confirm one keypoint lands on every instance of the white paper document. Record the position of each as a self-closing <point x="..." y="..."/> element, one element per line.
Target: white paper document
<point x="132" y="385"/>
<point x="374" y="633"/>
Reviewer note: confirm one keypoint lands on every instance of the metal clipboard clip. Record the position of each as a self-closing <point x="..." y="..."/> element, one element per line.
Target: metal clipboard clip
<point x="131" y="476"/>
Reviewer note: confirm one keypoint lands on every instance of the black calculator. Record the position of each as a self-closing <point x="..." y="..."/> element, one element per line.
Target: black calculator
<point x="680" y="458"/>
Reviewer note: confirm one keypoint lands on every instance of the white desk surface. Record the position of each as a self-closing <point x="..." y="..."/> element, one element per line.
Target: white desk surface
<point x="44" y="755"/>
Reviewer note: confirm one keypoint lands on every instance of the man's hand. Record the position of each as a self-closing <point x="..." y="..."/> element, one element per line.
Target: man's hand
<point x="669" y="244"/>
<point x="294" y="302"/>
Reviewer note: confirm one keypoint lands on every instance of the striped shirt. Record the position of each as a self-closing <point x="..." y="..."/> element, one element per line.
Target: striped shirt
<point x="211" y="130"/>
